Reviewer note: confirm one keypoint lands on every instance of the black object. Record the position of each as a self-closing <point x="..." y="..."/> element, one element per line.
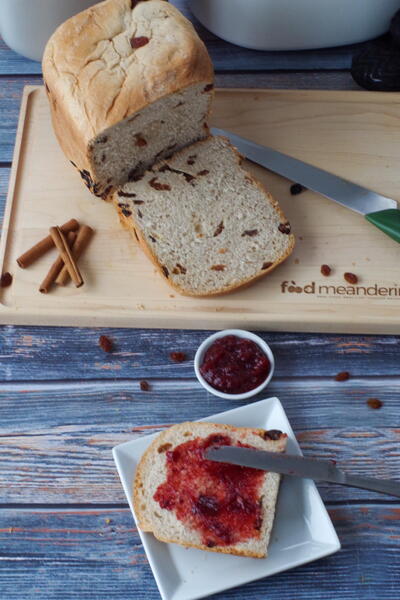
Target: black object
<point x="395" y="28"/>
<point x="377" y="66"/>
<point x="296" y="188"/>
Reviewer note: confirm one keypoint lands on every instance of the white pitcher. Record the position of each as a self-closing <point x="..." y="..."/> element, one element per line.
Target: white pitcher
<point x="26" y="25"/>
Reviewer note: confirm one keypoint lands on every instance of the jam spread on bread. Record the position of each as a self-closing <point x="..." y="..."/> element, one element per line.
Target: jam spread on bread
<point x="220" y="501"/>
<point x="234" y="365"/>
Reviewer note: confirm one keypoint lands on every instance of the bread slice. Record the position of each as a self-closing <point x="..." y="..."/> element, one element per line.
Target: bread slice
<point x="163" y="523"/>
<point x="128" y="82"/>
<point x="205" y="222"/>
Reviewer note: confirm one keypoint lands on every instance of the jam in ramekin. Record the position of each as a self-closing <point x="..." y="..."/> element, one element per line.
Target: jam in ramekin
<point x="234" y="365"/>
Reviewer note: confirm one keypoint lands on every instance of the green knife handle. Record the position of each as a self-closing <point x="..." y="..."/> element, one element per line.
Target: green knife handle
<point x="388" y="221"/>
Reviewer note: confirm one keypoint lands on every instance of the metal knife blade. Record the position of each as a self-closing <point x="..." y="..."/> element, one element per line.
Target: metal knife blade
<point x="298" y="466"/>
<point x="335" y="188"/>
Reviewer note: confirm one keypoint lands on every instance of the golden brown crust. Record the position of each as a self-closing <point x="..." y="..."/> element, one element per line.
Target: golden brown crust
<point x="95" y="79"/>
<point x="133" y="227"/>
<point x="219" y="549"/>
<point x="139" y="482"/>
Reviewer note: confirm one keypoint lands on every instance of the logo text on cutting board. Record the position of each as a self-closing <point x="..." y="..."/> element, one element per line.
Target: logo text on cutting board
<point x="330" y="290"/>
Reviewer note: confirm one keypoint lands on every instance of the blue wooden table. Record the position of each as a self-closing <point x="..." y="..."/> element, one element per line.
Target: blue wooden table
<point x="65" y="530"/>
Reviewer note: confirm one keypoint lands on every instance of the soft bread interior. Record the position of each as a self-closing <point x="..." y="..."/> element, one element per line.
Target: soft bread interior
<point x="123" y="151"/>
<point x="205" y="221"/>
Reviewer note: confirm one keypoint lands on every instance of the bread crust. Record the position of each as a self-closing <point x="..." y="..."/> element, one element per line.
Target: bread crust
<point x="147" y="460"/>
<point x="133" y="227"/>
<point x="95" y="79"/>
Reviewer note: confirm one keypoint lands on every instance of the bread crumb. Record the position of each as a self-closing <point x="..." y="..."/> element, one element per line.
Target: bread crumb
<point x="140" y="306"/>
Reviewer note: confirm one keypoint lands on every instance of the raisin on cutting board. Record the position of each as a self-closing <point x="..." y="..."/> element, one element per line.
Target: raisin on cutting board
<point x="296" y="189"/>
<point x="325" y="270"/>
<point x="6" y="279"/>
<point x="351" y="278"/>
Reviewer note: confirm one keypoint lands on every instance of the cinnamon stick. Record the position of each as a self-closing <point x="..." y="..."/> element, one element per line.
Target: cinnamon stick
<point x="55" y="267"/>
<point x="61" y="244"/>
<point x="82" y="239"/>
<point x="29" y="257"/>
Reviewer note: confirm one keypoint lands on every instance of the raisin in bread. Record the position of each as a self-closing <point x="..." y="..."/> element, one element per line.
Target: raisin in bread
<point x="221" y="509"/>
<point x="204" y="221"/>
<point x="128" y="82"/>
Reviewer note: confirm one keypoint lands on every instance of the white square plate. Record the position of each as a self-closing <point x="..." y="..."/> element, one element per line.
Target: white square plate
<point x="302" y="530"/>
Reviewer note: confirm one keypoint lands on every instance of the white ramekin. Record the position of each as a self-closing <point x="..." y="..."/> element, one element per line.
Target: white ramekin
<point x="199" y="356"/>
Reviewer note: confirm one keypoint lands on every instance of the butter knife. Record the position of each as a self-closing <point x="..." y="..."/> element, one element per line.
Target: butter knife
<point x="378" y="210"/>
<point x="310" y="468"/>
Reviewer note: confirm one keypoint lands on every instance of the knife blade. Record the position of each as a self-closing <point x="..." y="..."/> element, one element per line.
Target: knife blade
<point x="309" y="468"/>
<point x="377" y="209"/>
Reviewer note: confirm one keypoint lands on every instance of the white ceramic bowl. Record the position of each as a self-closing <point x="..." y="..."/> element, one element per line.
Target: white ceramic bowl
<point x="202" y="349"/>
<point x="295" y="24"/>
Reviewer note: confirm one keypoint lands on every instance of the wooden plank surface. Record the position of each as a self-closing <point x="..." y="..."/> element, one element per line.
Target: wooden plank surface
<point x="67" y="457"/>
<point x="293" y="122"/>
<point x="94" y="554"/>
<point x="4" y="176"/>
<point x="74" y="354"/>
<point x="58" y="392"/>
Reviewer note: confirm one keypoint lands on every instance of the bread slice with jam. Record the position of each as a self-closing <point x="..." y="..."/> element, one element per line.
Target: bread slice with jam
<point x="182" y="498"/>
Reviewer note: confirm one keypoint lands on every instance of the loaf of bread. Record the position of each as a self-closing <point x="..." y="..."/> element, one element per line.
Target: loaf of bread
<point x="129" y="82"/>
<point x="205" y="222"/>
<point x="213" y="507"/>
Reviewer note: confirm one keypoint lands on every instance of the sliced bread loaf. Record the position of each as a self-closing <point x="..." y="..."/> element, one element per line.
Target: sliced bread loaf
<point x="204" y="221"/>
<point x="182" y="498"/>
<point x="128" y="82"/>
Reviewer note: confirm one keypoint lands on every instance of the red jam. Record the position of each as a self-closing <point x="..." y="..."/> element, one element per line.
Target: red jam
<point x="221" y="501"/>
<point x="235" y="365"/>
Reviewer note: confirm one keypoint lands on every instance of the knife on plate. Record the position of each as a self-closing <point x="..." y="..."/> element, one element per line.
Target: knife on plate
<point x="309" y="468"/>
<point x="378" y="210"/>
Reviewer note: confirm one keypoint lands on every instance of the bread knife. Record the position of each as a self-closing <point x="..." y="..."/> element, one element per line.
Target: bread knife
<point x="309" y="468"/>
<point x="378" y="210"/>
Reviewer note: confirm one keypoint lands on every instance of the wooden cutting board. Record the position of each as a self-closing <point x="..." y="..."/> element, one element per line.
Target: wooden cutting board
<point x="353" y="134"/>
